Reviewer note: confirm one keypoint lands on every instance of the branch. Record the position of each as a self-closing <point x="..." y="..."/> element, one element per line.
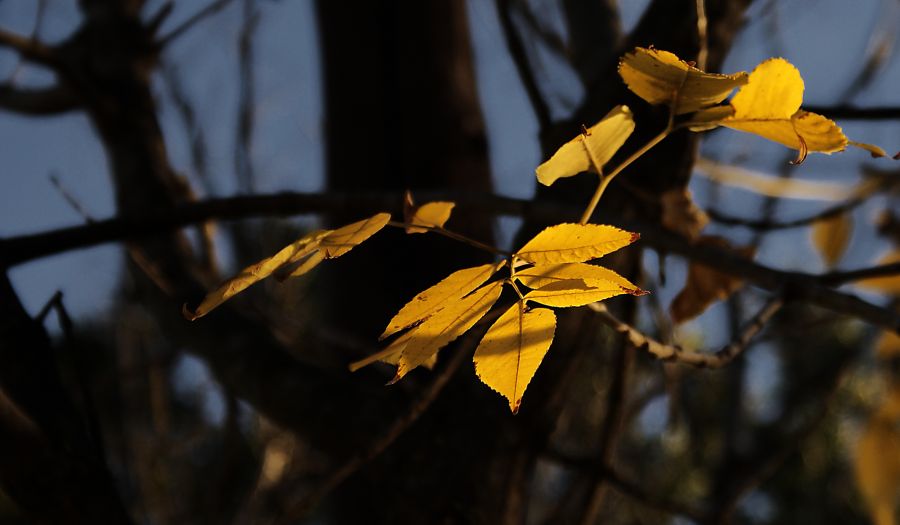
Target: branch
<point x="44" y="101"/>
<point x="28" y="48"/>
<point x="796" y="285"/>
<point x="839" y="278"/>
<point x="523" y="65"/>
<point x="665" y="352"/>
<point x="199" y="16"/>
<point x="854" y="113"/>
<point x="770" y="224"/>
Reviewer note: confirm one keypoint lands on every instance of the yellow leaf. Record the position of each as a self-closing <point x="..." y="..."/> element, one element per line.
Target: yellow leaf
<point x="342" y="240"/>
<point x="574" y="292"/>
<point x="705" y="285"/>
<point x="308" y="264"/>
<point x="512" y="351"/>
<point x="445" y="325"/>
<point x="452" y="288"/>
<point x="878" y="460"/>
<point x="591" y="150"/>
<point x="660" y="77"/>
<point x="831" y="237"/>
<point x="574" y="243"/>
<point x="256" y="272"/>
<point x="889" y="284"/>
<point x="391" y="354"/>
<point x="539" y="276"/>
<point x="430" y="214"/>
<point x="774" y="91"/>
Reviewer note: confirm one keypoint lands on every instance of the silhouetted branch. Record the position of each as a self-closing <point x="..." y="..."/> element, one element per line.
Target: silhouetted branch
<point x="796" y="285"/>
<point x="839" y="278"/>
<point x="855" y="113"/>
<point x="211" y="9"/>
<point x="29" y="48"/>
<point x="38" y="101"/>
<point x="523" y="65"/>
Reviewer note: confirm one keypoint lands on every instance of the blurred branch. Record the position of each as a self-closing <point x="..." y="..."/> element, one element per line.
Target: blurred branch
<point x="855" y="113"/>
<point x="302" y="507"/>
<point x="839" y="278"/>
<point x="29" y="48"/>
<point x="768" y="224"/>
<point x="38" y="101"/>
<point x="626" y="487"/>
<point x="796" y="285"/>
<point x="243" y="162"/>
<point x="211" y="9"/>
<point x="665" y="352"/>
<point x="517" y="51"/>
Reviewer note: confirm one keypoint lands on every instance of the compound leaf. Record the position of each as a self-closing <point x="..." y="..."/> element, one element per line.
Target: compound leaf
<point x="589" y="151"/>
<point x="444" y="326"/>
<point x="512" y="350"/>
<point x="660" y="77"/>
<point x="574" y="243"/>
<point x="452" y="288"/>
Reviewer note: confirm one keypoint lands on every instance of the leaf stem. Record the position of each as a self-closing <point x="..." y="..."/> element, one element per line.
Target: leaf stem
<point x="455" y="236"/>
<point x="606" y="179"/>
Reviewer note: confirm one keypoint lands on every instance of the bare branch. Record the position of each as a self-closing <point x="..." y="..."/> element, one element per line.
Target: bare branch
<point x="45" y="101"/>
<point x="665" y="352"/>
<point x="795" y="285"/>
<point x="883" y="270"/>
<point x="28" y="48"/>
<point x="200" y="16"/>
<point x="846" y="112"/>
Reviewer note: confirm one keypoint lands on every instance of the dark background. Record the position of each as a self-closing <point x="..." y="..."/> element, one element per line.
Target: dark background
<point x="121" y="411"/>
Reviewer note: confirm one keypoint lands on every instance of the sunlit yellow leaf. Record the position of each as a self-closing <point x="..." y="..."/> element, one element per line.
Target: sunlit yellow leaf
<point x="256" y="272"/>
<point x="452" y="288"/>
<point x="539" y="276"/>
<point x="574" y="292"/>
<point x="878" y="460"/>
<point x="705" y="285"/>
<point x="574" y="243"/>
<point x="343" y="239"/>
<point x="774" y="91"/>
<point x="446" y="325"/>
<point x="512" y="350"/>
<point x="831" y="237"/>
<point x="391" y="354"/>
<point x="430" y="214"/>
<point x="589" y="151"/>
<point x="660" y="77"/>
<point x="889" y="284"/>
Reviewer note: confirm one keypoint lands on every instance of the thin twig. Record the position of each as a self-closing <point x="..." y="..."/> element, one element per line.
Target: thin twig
<point x="769" y="224"/>
<point x="211" y="9"/>
<point x="70" y="199"/>
<point x="455" y="236"/>
<point x="673" y="353"/>
<point x="400" y="426"/>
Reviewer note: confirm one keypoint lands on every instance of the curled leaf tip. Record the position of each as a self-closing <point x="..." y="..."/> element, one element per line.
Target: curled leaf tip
<point x="637" y="292"/>
<point x="395" y="379"/>
<point x="635" y="236"/>
<point x="896" y="156"/>
<point x="188" y="314"/>
<point x="515" y="407"/>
